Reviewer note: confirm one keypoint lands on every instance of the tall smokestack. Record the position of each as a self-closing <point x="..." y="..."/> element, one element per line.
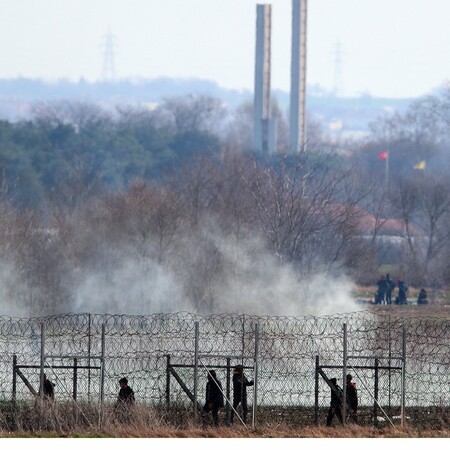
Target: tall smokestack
<point x="264" y="126"/>
<point x="297" y="132"/>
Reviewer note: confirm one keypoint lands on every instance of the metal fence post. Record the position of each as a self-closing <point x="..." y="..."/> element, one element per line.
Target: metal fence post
<point x="375" y="403"/>
<point x="344" y="377"/>
<point x="167" y="381"/>
<point x="255" y="376"/>
<point x="42" y="362"/>
<point x="403" y="376"/>
<point x="89" y="359"/>
<point x="316" y="392"/>
<point x="14" y="391"/>
<point x="196" y="370"/>
<point x="227" y="406"/>
<point x="102" y="376"/>
<point x="390" y="363"/>
<point x="75" y="379"/>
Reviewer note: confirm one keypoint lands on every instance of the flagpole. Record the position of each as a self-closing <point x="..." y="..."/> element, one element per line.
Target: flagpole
<point x="387" y="172"/>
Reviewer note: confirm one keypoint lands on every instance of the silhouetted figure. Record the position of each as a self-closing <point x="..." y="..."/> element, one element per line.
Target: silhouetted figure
<point x="335" y="403"/>
<point x="125" y="401"/>
<point x="49" y="389"/>
<point x="214" y="397"/>
<point x="352" y="398"/>
<point x="240" y="384"/>
<point x="381" y="291"/>
<point x="402" y="290"/>
<point x="390" y="286"/>
<point x="422" y="299"/>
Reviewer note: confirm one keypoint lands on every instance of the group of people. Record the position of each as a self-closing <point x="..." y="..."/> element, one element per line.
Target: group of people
<point x="385" y="290"/>
<point x="337" y="395"/>
<point x="214" y="399"/>
<point x="125" y="398"/>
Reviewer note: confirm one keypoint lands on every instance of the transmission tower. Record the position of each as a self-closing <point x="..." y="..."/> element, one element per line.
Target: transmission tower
<point x="338" y="88"/>
<point x="109" y="69"/>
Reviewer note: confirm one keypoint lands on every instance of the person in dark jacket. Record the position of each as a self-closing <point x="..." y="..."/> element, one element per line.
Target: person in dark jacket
<point x="240" y="384"/>
<point x="390" y="286"/>
<point x="422" y="298"/>
<point x="214" y="397"/>
<point x="381" y="291"/>
<point x="125" y="400"/>
<point x="352" y="398"/>
<point x="402" y="290"/>
<point x="335" y="403"/>
<point x="49" y="389"/>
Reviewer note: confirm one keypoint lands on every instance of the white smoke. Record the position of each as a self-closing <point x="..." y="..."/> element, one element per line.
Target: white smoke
<point x="206" y="271"/>
<point x="16" y="297"/>
<point x="248" y="280"/>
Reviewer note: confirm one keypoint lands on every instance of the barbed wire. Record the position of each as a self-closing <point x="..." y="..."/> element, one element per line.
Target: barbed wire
<point x="143" y="347"/>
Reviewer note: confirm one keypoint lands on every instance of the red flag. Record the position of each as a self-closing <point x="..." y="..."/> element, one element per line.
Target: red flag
<point x="383" y="155"/>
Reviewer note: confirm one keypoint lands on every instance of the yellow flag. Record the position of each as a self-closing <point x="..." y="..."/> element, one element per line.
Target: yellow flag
<point x="420" y="165"/>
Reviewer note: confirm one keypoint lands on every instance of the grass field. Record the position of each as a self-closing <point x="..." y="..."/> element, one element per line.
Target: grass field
<point x="238" y="431"/>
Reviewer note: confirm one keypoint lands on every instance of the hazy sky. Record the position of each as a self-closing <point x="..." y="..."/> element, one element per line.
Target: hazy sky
<point x="396" y="48"/>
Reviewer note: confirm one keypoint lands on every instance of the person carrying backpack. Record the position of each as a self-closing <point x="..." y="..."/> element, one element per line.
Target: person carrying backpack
<point x="214" y="397"/>
<point x="335" y="408"/>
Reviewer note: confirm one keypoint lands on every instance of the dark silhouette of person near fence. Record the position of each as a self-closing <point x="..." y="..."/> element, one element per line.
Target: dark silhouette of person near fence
<point x="335" y="408"/>
<point x="240" y="384"/>
<point x="214" y="398"/>
<point x="390" y="286"/>
<point x="125" y="401"/>
<point x="352" y="399"/>
<point x="402" y="290"/>
<point x="422" y="298"/>
<point x="49" y="389"/>
<point x="381" y="291"/>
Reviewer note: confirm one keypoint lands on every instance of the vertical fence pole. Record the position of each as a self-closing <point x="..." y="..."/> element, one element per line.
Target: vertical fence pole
<point x="390" y="362"/>
<point x="75" y="378"/>
<point x="168" y="381"/>
<point x="42" y="362"/>
<point x="227" y="406"/>
<point x="316" y="392"/>
<point x="75" y="388"/>
<point x="255" y="376"/>
<point x="14" y="391"/>
<point x="403" y="375"/>
<point x="375" y="404"/>
<point x="344" y="377"/>
<point x="196" y="370"/>
<point x="41" y="376"/>
<point x="102" y="376"/>
<point x="89" y="359"/>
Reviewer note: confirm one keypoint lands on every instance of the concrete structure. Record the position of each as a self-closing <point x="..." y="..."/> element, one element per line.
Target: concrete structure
<point x="264" y="125"/>
<point x="297" y="130"/>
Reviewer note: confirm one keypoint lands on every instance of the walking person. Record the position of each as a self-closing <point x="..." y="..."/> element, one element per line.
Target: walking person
<point x="352" y="399"/>
<point x="240" y="384"/>
<point x="214" y="398"/>
<point x="49" y="389"/>
<point x="335" y="408"/>
<point x="125" y="401"/>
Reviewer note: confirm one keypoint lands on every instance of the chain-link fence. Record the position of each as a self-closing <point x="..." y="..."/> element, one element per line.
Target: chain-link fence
<point x="400" y="366"/>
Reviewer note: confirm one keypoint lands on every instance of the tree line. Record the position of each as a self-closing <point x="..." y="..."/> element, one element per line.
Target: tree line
<point x="174" y="197"/>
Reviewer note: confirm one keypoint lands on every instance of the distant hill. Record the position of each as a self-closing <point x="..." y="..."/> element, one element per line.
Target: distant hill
<point x="335" y="113"/>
